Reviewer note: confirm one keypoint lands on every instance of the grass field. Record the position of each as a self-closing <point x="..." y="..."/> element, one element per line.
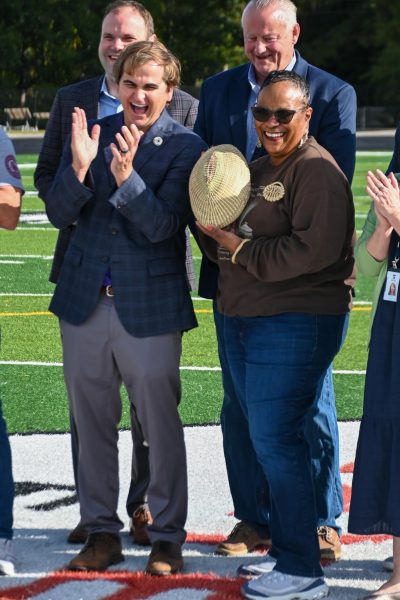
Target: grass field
<point x="31" y="384"/>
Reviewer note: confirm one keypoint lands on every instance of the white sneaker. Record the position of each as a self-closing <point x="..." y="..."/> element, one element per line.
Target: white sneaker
<point x="388" y="563"/>
<point x="283" y="586"/>
<point x="7" y="558"/>
<point x="256" y="569"/>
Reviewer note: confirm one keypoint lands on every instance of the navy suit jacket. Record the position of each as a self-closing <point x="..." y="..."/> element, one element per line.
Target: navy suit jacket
<point x="394" y="165"/>
<point x="85" y="94"/>
<point x="222" y="119"/>
<point x="136" y="231"/>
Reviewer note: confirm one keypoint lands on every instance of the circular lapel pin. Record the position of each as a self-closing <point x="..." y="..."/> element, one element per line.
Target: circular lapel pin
<point x="157" y="141"/>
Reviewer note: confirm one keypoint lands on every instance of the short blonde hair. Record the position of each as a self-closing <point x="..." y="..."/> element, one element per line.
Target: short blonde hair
<point x="138" y="54"/>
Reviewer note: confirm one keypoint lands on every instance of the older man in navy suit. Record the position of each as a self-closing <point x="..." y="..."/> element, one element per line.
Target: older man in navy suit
<point x="124" y="22"/>
<point x="270" y="32"/>
<point x="123" y="299"/>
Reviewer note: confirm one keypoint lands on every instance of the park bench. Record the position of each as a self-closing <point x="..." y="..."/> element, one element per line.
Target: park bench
<point x="41" y="117"/>
<point x="19" y="115"/>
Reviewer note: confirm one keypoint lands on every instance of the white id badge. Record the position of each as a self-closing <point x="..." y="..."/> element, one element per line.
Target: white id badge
<point x="392" y="286"/>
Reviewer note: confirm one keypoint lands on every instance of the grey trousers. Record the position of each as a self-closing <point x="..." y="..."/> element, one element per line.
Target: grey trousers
<point x="98" y="356"/>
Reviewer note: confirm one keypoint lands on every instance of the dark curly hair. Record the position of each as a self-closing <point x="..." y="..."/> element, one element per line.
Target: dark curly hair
<point x="296" y="80"/>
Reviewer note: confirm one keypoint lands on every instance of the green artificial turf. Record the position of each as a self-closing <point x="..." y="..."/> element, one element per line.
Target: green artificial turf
<point x="34" y="395"/>
<point x="34" y="399"/>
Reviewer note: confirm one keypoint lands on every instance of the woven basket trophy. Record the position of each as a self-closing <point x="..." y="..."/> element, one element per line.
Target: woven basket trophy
<point x="219" y="186"/>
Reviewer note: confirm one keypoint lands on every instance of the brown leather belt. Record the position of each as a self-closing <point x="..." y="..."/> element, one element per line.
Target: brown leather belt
<point x="107" y="290"/>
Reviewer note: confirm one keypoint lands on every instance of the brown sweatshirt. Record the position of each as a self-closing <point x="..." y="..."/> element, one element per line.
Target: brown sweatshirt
<point x="300" y="221"/>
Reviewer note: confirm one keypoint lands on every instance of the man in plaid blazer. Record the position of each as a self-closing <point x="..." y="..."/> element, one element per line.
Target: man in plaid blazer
<point x="124" y="22"/>
<point x="87" y="95"/>
<point x="123" y="299"/>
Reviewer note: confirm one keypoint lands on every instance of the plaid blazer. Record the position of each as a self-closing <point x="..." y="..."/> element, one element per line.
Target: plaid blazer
<point x="85" y="94"/>
<point x="136" y="231"/>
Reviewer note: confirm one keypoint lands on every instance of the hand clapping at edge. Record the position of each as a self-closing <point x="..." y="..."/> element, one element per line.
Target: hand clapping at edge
<point x="384" y="192"/>
<point x="83" y="146"/>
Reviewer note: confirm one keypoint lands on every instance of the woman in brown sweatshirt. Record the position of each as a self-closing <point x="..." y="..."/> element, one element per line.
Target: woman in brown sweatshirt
<point x="284" y="303"/>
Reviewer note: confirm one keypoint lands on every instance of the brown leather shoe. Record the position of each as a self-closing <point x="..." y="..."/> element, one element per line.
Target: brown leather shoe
<point x="329" y="543"/>
<point x="165" y="558"/>
<point x="140" y="518"/>
<point x="100" y="551"/>
<point x="241" y="540"/>
<point x="77" y="535"/>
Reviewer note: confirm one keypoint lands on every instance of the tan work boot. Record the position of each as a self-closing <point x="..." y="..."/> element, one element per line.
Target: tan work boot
<point x="165" y="558"/>
<point x="100" y="551"/>
<point x="140" y="518"/>
<point x="329" y="543"/>
<point x="241" y="540"/>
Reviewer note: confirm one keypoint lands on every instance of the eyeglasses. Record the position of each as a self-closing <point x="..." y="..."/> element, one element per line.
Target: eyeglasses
<point x="282" y="115"/>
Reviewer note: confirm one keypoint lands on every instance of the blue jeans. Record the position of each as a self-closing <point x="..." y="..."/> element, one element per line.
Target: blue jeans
<point x="247" y="482"/>
<point x="6" y="482"/>
<point x="275" y="365"/>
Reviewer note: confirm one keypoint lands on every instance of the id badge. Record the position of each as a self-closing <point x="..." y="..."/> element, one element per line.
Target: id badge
<point x="392" y="286"/>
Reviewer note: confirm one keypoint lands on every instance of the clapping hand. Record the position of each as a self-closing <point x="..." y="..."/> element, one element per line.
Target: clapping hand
<point x="83" y="146"/>
<point x="384" y="192"/>
<point x="124" y="153"/>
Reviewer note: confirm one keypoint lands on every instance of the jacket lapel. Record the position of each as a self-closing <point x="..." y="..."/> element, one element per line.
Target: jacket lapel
<point x="152" y="141"/>
<point x="109" y="127"/>
<point x="92" y="99"/>
<point x="238" y="98"/>
<point x="301" y="66"/>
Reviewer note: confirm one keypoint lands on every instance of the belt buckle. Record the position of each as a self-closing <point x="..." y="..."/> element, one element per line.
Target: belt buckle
<point x="109" y="291"/>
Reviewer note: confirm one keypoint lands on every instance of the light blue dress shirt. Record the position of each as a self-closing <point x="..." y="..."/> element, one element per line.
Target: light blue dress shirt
<point x="108" y="104"/>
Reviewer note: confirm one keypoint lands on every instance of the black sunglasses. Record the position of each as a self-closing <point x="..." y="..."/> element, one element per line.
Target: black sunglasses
<point x="282" y="115"/>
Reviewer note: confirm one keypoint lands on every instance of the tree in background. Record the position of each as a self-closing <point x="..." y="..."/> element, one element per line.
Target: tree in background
<point x="206" y="34"/>
<point x="54" y="43"/>
<point x="49" y="43"/>
<point x="384" y="65"/>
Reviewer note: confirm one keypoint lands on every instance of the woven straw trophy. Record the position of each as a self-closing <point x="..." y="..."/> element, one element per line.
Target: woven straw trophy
<point x="219" y="186"/>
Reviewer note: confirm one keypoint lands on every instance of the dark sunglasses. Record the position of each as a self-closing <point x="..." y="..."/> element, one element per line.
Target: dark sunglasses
<point x="282" y="115"/>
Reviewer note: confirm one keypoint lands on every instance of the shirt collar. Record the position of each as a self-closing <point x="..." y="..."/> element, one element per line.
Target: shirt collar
<point x="104" y="90"/>
<point x="252" y="74"/>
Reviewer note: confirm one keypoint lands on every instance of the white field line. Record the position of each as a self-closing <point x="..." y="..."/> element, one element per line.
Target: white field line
<point x="373" y="153"/>
<point x="194" y="298"/>
<point x="23" y="294"/>
<point x="11" y="262"/>
<point x="32" y="363"/>
<point x="40" y="218"/>
<point x="23" y="165"/>
<point x="52" y="229"/>
<point x="41" y="256"/>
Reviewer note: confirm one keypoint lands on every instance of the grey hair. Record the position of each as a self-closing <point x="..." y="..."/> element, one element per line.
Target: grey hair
<point x="286" y="9"/>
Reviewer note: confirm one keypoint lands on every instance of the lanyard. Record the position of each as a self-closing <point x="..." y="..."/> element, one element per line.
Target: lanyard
<point x="396" y="257"/>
